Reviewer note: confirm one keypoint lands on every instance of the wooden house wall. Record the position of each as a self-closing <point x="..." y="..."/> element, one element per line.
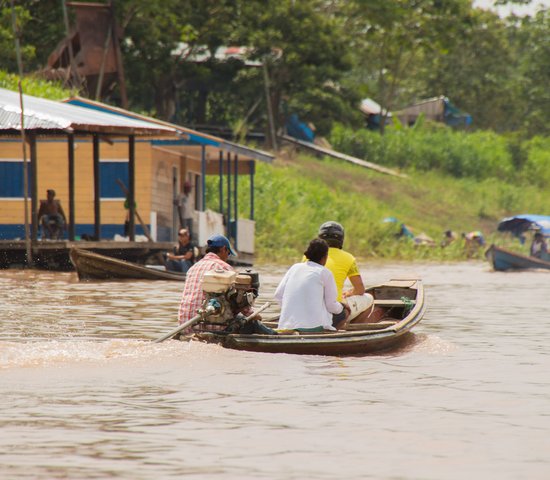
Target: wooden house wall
<point x="159" y="176"/>
<point x="52" y="172"/>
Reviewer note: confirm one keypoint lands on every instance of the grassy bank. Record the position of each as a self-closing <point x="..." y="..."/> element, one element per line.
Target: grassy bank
<point x="297" y="193"/>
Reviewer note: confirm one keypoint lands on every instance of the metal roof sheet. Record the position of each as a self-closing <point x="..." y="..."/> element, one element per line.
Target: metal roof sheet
<point x="189" y="135"/>
<point x="43" y="114"/>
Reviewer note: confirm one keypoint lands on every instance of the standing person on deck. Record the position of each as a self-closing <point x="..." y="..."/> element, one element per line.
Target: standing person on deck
<point x="307" y="294"/>
<point x="343" y="266"/>
<point x="183" y="203"/>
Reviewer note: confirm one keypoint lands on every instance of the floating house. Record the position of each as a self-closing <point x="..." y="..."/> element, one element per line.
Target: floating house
<point x="98" y="158"/>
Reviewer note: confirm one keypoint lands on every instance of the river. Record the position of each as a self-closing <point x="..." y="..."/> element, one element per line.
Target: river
<point x="86" y="395"/>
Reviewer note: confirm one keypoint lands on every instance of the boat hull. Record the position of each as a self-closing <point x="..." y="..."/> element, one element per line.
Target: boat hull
<point x="93" y="266"/>
<point x="370" y="338"/>
<point x="503" y="260"/>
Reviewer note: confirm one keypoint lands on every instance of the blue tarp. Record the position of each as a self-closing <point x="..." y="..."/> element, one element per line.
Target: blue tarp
<point x="454" y="117"/>
<point x="519" y="224"/>
<point x="298" y="129"/>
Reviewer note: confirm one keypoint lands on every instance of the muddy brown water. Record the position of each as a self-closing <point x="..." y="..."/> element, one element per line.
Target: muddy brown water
<point x="84" y="394"/>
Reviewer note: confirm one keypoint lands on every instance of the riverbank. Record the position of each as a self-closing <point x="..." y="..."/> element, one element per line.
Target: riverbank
<point x="298" y="192"/>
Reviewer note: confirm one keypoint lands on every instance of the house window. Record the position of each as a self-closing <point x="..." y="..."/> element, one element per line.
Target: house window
<point x="11" y="178"/>
<point x="110" y="171"/>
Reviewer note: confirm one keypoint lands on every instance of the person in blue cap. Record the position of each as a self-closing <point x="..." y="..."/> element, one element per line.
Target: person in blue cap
<point x="218" y="250"/>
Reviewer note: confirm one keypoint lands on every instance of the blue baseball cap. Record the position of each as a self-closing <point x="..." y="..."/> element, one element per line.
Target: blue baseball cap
<point x="220" y="241"/>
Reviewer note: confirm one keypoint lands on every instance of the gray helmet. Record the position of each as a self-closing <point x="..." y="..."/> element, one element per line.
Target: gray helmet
<point x="332" y="233"/>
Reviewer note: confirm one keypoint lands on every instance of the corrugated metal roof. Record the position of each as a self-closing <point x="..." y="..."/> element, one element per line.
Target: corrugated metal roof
<point x="42" y="114"/>
<point x="192" y="136"/>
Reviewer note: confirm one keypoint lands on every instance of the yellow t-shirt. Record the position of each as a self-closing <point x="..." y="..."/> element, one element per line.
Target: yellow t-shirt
<point x="342" y="265"/>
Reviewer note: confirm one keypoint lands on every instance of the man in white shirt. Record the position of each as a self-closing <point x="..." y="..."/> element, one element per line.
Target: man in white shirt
<point x="307" y="294"/>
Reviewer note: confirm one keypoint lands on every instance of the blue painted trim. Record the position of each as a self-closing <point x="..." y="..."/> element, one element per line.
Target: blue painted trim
<point x="108" y="231"/>
<point x="63" y="139"/>
<point x="193" y="140"/>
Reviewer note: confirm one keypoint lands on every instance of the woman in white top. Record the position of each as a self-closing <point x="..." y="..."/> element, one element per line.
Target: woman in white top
<point x="307" y="293"/>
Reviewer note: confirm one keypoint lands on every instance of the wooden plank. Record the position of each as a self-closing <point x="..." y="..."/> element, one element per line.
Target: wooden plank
<point x="371" y="326"/>
<point x="342" y="156"/>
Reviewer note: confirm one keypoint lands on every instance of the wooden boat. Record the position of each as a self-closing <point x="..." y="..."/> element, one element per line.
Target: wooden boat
<point x="502" y="259"/>
<point x="93" y="266"/>
<point x="398" y="307"/>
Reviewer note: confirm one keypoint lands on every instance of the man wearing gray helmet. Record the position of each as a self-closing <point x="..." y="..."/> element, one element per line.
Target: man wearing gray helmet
<point x="343" y="266"/>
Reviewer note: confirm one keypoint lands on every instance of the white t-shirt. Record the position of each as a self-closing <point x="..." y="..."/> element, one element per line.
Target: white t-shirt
<point x="307" y="294"/>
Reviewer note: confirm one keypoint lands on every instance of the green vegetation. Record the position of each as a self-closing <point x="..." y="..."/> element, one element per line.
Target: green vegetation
<point x="35" y="86"/>
<point x="322" y="58"/>
<point x="298" y="193"/>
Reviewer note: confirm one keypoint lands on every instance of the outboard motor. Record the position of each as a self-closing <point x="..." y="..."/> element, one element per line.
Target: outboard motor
<point x="228" y="293"/>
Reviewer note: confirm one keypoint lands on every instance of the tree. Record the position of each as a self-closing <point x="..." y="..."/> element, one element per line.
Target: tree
<point x="533" y="52"/>
<point x="395" y="40"/>
<point x="314" y="54"/>
<point x="477" y="70"/>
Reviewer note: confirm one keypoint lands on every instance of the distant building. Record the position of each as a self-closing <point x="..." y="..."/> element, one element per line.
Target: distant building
<point x="374" y="113"/>
<point x="437" y="109"/>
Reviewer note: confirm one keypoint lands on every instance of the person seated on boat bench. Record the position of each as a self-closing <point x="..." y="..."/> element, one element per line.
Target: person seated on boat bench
<point x="343" y="266"/>
<point x="218" y="250"/>
<point x="183" y="256"/>
<point x="51" y="216"/>
<point x="307" y="294"/>
<point x="539" y="246"/>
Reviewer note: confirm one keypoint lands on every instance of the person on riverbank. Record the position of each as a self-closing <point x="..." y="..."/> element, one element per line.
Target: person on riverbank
<point x="539" y="246"/>
<point x="51" y="216"/>
<point x="343" y="266"/>
<point x="448" y="237"/>
<point x="307" y="294"/>
<point x="473" y="241"/>
<point x="183" y="256"/>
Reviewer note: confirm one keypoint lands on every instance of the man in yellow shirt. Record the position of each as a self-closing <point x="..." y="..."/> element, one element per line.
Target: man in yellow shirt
<point x="342" y="264"/>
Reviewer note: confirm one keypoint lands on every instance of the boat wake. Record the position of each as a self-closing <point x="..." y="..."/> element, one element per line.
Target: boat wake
<point x="58" y="353"/>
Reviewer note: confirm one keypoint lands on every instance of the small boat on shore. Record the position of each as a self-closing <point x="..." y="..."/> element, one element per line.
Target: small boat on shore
<point x="398" y="307"/>
<point x="93" y="266"/>
<point x="502" y="259"/>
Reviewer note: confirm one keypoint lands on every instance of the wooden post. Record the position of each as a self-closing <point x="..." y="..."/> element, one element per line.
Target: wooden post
<point x="70" y="145"/>
<point x="132" y="186"/>
<point x="118" y="56"/>
<point x="235" y="197"/>
<point x="252" y="165"/>
<point x="23" y="140"/>
<point x="270" y="118"/>
<point x="228" y="220"/>
<point x="34" y="188"/>
<point x="220" y="182"/>
<point x="97" y="193"/>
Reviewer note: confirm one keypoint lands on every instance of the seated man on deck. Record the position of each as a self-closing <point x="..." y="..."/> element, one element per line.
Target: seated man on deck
<point x="51" y="216"/>
<point x="183" y="256"/>
<point x="307" y="294"/>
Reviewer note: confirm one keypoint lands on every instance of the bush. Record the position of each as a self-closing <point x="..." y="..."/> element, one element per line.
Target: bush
<point x="478" y="155"/>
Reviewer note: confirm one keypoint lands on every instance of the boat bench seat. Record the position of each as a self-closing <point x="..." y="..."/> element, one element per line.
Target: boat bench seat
<point x="371" y="326"/>
<point x="391" y="303"/>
